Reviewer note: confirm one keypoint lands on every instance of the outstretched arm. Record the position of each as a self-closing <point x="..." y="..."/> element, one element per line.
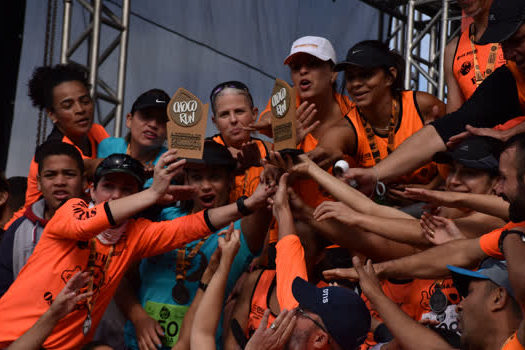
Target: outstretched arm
<point x="397" y="229"/>
<point x="64" y="303"/>
<point x="431" y="263"/>
<point x="407" y="332"/>
<point x="209" y="310"/>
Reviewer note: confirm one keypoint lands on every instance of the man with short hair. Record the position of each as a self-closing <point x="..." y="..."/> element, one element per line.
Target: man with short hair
<point x="488" y="314"/>
<point x="60" y="178"/>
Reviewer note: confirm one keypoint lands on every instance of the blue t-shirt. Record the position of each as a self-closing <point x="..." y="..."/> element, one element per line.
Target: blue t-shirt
<point x="158" y="278"/>
<point x="113" y="145"/>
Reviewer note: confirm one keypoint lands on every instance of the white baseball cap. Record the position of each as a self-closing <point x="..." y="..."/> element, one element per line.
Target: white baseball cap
<point x="314" y="45"/>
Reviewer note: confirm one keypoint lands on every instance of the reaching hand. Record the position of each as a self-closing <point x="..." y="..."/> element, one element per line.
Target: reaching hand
<point x="305" y="120"/>
<point x="439" y="230"/>
<point x="70" y="295"/>
<point x="276" y="336"/>
<point x="341" y="273"/>
<point x="502" y="135"/>
<point x="249" y="155"/>
<point x="335" y="210"/>
<point x="367" y="278"/>
<point x="365" y="178"/>
<point x="260" y="196"/>
<point x="165" y="170"/>
<point x="437" y="198"/>
<point x="263" y="125"/>
<point x="279" y="201"/>
<point x="229" y="244"/>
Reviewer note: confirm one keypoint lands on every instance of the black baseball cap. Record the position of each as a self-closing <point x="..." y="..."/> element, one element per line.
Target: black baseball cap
<point x="343" y="312"/>
<point x="476" y="152"/>
<point x="368" y="54"/>
<point x="505" y="18"/>
<point x="155" y="98"/>
<point x="490" y="269"/>
<point x="121" y="163"/>
<point x="214" y="154"/>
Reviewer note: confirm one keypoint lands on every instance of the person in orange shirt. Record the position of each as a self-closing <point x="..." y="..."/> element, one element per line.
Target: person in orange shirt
<point x="488" y="313"/>
<point x="233" y="111"/>
<point x="63" y="92"/>
<point x="467" y="63"/>
<point x="384" y="115"/>
<point x="102" y="240"/>
<point x="319" y="107"/>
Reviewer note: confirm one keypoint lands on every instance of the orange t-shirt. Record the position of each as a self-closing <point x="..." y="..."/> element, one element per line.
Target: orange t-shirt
<point x="489" y="241"/>
<point x="246" y="183"/>
<point x="463" y="65"/>
<point x="513" y="343"/>
<point x="413" y="297"/>
<point x="96" y="134"/>
<point x="410" y="122"/>
<point x="64" y="249"/>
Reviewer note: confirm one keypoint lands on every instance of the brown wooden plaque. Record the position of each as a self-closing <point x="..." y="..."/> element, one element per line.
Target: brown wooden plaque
<point x="283" y="116"/>
<point x="187" y="117"/>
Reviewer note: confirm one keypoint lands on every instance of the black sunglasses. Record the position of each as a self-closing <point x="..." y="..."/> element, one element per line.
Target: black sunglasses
<point x="300" y="312"/>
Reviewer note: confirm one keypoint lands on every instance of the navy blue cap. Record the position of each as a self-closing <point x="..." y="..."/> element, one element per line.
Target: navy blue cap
<point x="505" y="18"/>
<point x="476" y="152"/>
<point x="490" y="269"/>
<point x="343" y="312"/>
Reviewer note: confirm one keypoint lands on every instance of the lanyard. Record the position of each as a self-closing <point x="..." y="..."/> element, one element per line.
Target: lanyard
<point x="90" y="302"/>
<point x="491" y="61"/>
<point x="391" y="132"/>
<point x="179" y="292"/>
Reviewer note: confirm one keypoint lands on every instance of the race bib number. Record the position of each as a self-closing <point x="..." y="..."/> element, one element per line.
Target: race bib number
<point x="170" y="319"/>
<point x="447" y="320"/>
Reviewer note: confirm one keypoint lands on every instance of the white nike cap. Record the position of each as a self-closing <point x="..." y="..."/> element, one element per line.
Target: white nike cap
<point x="313" y="45"/>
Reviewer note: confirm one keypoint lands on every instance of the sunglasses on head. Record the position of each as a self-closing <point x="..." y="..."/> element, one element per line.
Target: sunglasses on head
<point x="229" y="84"/>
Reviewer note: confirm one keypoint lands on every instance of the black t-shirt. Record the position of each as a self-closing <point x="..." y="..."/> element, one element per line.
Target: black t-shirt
<point x="494" y="102"/>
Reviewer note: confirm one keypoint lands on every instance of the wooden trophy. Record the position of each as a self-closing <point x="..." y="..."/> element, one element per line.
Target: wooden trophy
<point x="187" y="117"/>
<point x="283" y="118"/>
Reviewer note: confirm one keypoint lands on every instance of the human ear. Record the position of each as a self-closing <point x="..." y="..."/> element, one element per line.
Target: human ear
<point x="51" y="115"/>
<point x="392" y="76"/>
<point x="129" y="116"/>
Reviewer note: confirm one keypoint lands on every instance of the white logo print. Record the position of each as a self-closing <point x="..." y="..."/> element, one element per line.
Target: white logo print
<point x="159" y="101"/>
<point x="356" y="51"/>
<point x="325" y="295"/>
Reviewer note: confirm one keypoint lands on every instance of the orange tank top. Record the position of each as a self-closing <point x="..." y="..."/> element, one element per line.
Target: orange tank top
<point x="245" y="184"/>
<point x="260" y="301"/>
<point x="463" y="66"/>
<point x="409" y="122"/>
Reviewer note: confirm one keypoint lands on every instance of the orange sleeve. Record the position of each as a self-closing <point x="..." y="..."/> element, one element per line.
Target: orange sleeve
<point x="160" y="237"/>
<point x="510" y="124"/>
<point x="99" y="133"/>
<point x="513" y="343"/>
<point x="32" y="192"/>
<point x="489" y="241"/>
<point x="267" y="109"/>
<point x="75" y="220"/>
<point x="289" y="264"/>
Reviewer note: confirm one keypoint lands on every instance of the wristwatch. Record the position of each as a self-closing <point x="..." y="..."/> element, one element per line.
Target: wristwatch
<point x="241" y="207"/>
<point x="508" y="232"/>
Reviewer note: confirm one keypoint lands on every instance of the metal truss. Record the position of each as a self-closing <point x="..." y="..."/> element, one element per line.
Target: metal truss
<point x="420" y="31"/>
<point x="103" y="89"/>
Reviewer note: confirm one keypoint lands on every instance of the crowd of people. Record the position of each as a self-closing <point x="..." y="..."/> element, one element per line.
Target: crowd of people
<point x="398" y="224"/>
